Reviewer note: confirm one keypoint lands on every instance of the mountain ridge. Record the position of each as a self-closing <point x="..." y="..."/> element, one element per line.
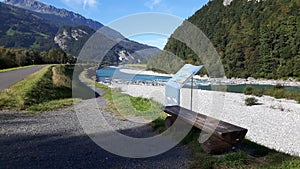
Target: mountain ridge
<point x="40" y="7"/>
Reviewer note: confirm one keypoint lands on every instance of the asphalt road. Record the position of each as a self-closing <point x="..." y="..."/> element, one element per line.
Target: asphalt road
<point x="9" y="78"/>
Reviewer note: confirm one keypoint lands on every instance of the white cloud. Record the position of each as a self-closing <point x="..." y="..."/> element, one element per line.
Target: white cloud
<point x="83" y="3"/>
<point x="156" y="42"/>
<point x="151" y="4"/>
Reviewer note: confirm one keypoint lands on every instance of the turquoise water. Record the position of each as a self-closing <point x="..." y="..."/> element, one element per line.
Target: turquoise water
<point x="115" y="73"/>
<point x="240" y="88"/>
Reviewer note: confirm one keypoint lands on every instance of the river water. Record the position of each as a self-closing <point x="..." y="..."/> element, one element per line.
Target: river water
<point x="113" y="73"/>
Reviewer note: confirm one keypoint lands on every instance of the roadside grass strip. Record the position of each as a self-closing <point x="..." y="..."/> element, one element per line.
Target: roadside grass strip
<point x="47" y="89"/>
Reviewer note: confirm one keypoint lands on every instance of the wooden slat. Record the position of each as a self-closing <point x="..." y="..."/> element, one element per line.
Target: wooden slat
<point x="228" y="132"/>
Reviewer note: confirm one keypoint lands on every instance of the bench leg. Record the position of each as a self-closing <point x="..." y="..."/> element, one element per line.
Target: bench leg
<point x="215" y="145"/>
<point x="169" y="121"/>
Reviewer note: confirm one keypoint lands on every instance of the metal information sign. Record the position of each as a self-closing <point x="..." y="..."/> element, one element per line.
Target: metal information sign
<point x="174" y="85"/>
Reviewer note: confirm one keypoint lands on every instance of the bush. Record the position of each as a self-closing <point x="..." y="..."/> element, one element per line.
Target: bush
<point x="278" y="86"/>
<point x="278" y="94"/>
<point x="248" y="90"/>
<point x="259" y="92"/>
<point x="298" y="100"/>
<point x="251" y="101"/>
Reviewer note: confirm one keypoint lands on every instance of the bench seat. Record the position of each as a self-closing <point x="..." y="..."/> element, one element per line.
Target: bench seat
<point x="224" y="135"/>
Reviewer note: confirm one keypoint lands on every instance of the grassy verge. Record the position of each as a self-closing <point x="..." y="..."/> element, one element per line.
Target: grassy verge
<point x="47" y="89"/>
<point x="277" y="92"/>
<point x="126" y="105"/>
<point x="248" y="154"/>
<point x="15" y="68"/>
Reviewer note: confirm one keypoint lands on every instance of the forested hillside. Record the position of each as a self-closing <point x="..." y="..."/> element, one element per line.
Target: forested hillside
<point x="254" y="39"/>
<point x="23" y="29"/>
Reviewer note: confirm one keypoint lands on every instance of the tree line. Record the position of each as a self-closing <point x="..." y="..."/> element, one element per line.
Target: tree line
<point x="22" y="57"/>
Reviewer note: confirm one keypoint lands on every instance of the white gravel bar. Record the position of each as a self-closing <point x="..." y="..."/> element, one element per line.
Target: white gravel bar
<point x="274" y="123"/>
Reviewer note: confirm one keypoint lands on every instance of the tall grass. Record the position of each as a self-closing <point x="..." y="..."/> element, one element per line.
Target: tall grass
<point x="277" y="91"/>
<point x="47" y="85"/>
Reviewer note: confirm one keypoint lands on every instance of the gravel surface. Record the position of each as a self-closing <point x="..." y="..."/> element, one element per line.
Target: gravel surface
<point x="274" y="123"/>
<point x="55" y="139"/>
<point x="9" y="78"/>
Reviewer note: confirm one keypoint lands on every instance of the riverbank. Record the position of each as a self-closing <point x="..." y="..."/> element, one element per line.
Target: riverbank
<point x="135" y="71"/>
<point x="273" y="123"/>
<point x="235" y="81"/>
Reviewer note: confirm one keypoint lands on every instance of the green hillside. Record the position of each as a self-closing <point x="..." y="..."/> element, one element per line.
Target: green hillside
<point x="253" y="39"/>
<point x="23" y="29"/>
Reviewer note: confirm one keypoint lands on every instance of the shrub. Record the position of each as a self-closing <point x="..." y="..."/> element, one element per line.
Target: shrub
<point x="298" y="100"/>
<point x="278" y="94"/>
<point x="278" y="86"/>
<point x="259" y="92"/>
<point x="248" y="90"/>
<point x="251" y="101"/>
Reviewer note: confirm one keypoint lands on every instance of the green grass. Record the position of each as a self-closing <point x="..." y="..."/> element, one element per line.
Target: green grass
<point x="281" y="93"/>
<point x="53" y="105"/>
<point x="12" y="32"/>
<point x="42" y="34"/>
<point x="35" y="45"/>
<point x="47" y="89"/>
<point x="15" y="68"/>
<point x="278" y="92"/>
<point x="249" y="155"/>
<point x="126" y="105"/>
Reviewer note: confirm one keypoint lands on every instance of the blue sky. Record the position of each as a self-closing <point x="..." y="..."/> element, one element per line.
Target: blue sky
<point x="107" y="11"/>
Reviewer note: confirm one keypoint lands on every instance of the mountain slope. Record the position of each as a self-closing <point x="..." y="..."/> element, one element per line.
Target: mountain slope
<point x="48" y="27"/>
<point x="254" y="38"/>
<point x="60" y="16"/>
<point x="23" y="29"/>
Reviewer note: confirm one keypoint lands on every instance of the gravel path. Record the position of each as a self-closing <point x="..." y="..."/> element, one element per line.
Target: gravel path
<point x="55" y="139"/>
<point x="9" y="78"/>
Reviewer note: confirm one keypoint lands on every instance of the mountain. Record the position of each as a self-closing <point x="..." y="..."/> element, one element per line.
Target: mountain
<point x="254" y="38"/>
<point x="32" y="24"/>
<point x="21" y="28"/>
<point x="71" y="39"/>
<point x="61" y="16"/>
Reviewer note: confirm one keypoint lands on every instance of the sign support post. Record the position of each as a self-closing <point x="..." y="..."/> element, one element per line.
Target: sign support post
<point x="192" y="87"/>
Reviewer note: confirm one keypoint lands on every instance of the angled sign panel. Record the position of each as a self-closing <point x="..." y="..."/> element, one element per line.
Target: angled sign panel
<point x="177" y="82"/>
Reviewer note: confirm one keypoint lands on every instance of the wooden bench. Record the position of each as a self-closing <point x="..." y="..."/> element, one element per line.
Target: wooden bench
<point x="224" y="135"/>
